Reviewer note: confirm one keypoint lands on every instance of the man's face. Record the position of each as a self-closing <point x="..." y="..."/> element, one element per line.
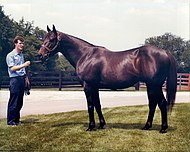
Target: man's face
<point x="19" y="45"/>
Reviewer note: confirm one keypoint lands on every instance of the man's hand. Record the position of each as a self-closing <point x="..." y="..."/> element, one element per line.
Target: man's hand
<point x="27" y="63"/>
<point x="27" y="86"/>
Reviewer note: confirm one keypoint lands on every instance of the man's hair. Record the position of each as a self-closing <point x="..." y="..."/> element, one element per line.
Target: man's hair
<point x="18" y="38"/>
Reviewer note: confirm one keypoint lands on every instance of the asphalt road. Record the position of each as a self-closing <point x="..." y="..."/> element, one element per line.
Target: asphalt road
<point x="46" y="102"/>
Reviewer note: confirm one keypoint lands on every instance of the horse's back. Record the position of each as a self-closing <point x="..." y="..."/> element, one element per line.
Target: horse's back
<point x="125" y="68"/>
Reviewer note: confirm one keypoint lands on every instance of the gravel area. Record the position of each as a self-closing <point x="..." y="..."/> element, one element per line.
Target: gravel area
<point x="46" y="102"/>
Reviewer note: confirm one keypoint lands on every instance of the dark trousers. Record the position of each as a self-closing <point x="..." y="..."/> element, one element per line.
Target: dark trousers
<point x="17" y="85"/>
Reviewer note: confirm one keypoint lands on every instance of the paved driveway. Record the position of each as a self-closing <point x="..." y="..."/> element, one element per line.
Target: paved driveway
<point x="45" y="102"/>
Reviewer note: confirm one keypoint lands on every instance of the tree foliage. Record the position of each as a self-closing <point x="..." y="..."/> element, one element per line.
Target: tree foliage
<point x="6" y="34"/>
<point x="33" y="40"/>
<point x="177" y="46"/>
<point x="34" y="37"/>
<point x="63" y="65"/>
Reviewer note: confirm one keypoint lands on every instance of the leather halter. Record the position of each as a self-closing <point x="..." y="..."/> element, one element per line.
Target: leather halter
<point x="51" y="50"/>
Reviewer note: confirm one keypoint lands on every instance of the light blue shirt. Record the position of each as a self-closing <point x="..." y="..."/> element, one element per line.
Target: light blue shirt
<point x="14" y="59"/>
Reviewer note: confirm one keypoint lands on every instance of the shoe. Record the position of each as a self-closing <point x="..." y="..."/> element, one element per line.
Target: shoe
<point x="13" y="124"/>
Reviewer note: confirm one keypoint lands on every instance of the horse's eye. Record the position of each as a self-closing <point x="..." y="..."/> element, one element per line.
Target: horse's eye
<point x="51" y="40"/>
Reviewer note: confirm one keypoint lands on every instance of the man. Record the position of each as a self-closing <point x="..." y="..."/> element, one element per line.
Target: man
<point x="17" y="74"/>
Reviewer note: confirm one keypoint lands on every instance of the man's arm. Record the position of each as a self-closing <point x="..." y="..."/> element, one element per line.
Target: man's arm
<point x="18" y="67"/>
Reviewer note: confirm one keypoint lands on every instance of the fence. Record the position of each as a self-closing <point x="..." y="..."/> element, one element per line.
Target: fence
<point x="183" y="81"/>
<point x="57" y="79"/>
<point x="63" y="79"/>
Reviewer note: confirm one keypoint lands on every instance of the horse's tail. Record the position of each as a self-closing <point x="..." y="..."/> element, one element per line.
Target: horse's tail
<point x="171" y="84"/>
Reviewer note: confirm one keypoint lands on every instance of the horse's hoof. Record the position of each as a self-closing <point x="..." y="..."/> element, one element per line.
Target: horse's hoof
<point x="89" y="129"/>
<point x="147" y="127"/>
<point x="101" y="126"/>
<point x="162" y="131"/>
<point x="91" y="126"/>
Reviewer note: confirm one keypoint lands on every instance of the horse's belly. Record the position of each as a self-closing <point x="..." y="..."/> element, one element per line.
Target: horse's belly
<point x="117" y="84"/>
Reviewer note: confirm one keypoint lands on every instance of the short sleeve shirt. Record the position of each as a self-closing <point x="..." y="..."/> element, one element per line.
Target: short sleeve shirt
<point x="14" y="59"/>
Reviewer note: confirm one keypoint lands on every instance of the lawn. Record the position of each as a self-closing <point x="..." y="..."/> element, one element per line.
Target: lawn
<point x="66" y="132"/>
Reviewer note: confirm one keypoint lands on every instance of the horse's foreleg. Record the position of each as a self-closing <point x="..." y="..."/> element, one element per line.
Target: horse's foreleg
<point x="91" y="115"/>
<point x="92" y="96"/>
<point x="88" y="93"/>
<point x="98" y="109"/>
<point x="152" y="106"/>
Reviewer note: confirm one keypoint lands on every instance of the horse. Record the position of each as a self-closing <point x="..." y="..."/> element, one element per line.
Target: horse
<point x="98" y="67"/>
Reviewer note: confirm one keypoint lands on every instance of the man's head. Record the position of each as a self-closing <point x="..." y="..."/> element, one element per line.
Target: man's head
<point x="19" y="43"/>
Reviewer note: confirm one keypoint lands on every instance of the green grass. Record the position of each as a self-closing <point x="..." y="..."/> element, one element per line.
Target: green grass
<point x="66" y="132"/>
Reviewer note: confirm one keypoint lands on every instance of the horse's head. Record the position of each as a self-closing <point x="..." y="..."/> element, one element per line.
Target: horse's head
<point x="50" y="45"/>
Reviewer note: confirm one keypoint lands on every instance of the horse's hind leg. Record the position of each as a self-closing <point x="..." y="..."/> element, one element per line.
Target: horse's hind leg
<point x="152" y="106"/>
<point x="162" y="104"/>
<point x="156" y="96"/>
<point x="92" y="97"/>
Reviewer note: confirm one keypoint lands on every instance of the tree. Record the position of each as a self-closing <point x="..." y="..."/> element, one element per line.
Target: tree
<point x="33" y="40"/>
<point x="6" y="35"/>
<point x="185" y="58"/>
<point x="63" y="65"/>
<point x="176" y="45"/>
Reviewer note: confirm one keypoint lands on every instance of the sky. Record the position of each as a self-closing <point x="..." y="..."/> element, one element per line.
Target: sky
<point x="114" y="24"/>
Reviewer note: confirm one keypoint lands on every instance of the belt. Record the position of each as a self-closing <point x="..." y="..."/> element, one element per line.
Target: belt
<point x="22" y="77"/>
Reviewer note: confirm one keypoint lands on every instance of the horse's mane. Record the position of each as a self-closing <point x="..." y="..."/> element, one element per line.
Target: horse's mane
<point x="76" y="38"/>
<point x="90" y="44"/>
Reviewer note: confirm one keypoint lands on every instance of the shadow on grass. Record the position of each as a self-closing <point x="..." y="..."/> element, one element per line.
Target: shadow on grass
<point x="134" y="126"/>
<point x="30" y="121"/>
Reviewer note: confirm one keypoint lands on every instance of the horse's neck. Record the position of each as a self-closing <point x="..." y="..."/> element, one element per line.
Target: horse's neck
<point x="73" y="48"/>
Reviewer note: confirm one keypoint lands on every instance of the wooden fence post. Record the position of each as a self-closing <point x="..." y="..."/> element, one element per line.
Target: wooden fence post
<point x="188" y="81"/>
<point x="60" y="80"/>
<point x="137" y="86"/>
<point x="180" y="80"/>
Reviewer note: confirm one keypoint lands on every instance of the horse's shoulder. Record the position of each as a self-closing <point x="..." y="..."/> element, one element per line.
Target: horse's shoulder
<point x="99" y="50"/>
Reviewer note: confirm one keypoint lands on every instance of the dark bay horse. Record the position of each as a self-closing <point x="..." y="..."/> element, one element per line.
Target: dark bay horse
<point x="98" y="67"/>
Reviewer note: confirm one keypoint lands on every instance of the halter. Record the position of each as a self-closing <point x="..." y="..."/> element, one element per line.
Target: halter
<point x="51" y="50"/>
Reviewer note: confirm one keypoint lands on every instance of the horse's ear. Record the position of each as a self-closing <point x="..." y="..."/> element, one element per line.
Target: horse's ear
<point x="48" y="29"/>
<point x="54" y="30"/>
